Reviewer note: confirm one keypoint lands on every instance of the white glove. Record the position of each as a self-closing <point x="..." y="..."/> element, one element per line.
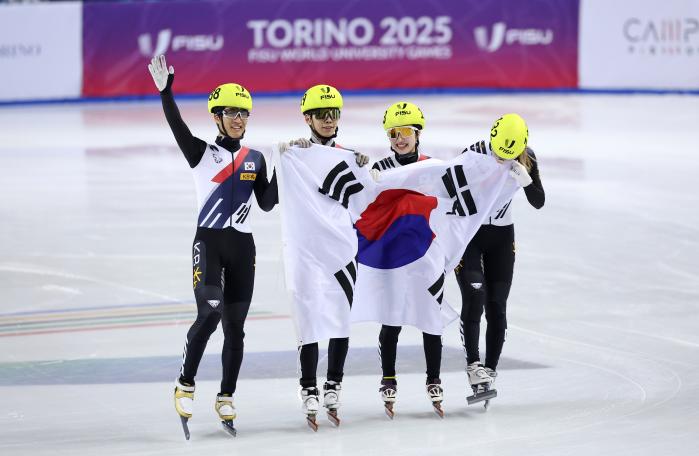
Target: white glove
<point x="160" y="72"/>
<point x="519" y="172"/>
<point x="283" y="147"/>
<point x="375" y="174"/>
<point x="361" y="159"/>
<point x="301" y="142"/>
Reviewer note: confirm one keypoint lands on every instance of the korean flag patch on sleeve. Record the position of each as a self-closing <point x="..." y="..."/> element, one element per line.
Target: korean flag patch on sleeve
<point x="249" y="166"/>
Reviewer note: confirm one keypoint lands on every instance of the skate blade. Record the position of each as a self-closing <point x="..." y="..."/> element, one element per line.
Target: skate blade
<point x="437" y="407"/>
<point x="484" y="396"/>
<point x="228" y="427"/>
<point x="334" y="419"/>
<point x="388" y="408"/>
<point x="185" y="427"/>
<point x="311" y="421"/>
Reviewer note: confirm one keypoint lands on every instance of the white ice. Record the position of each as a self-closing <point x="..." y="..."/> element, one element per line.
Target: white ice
<point x="602" y="355"/>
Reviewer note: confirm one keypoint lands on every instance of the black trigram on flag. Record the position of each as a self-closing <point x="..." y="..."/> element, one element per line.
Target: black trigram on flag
<point x="347" y="277"/>
<point x="340" y="184"/>
<point x="386" y="163"/>
<point x="457" y="187"/>
<point x="437" y="289"/>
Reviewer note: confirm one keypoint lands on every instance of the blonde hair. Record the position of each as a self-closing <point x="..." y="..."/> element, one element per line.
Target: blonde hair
<point x="525" y="160"/>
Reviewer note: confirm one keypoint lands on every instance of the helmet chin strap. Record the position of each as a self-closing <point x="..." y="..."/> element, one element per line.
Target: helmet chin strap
<point x="323" y="139"/>
<point x="223" y="132"/>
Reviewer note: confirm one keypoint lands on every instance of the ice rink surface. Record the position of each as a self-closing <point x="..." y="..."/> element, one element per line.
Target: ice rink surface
<point x="602" y="356"/>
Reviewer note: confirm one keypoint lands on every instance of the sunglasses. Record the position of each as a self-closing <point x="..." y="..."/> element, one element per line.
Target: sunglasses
<point x="232" y="113"/>
<point x="324" y="113"/>
<point x="403" y="131"/>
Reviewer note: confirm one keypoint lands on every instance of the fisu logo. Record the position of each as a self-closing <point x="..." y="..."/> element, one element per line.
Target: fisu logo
<point x="166" y="41"/>
<point x="500" y="35"/>
<point x="146" y="46"/>
<point x="497" y="36"/>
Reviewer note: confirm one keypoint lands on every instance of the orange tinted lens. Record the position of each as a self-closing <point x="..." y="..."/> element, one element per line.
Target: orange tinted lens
<point x="403" y="131"/>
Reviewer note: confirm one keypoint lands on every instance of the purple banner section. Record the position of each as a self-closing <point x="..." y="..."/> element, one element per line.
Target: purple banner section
<point x="274" y="45"/>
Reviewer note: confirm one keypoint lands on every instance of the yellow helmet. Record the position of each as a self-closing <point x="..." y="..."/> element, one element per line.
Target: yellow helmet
<point x="321" y="96"/>
<point x="509" y="136"/>
<point x="402" y="114"/>
<point x="230" y="95"/>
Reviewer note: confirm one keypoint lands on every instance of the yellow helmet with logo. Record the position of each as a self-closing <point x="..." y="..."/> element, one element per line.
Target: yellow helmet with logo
<point x="402" y="114"/>
<point x="321" y="96"/>
<point x="509" y="136"/>
<point x="230" y="95"/>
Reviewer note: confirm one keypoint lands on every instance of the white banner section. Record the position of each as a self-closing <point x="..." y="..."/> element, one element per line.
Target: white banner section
<point x="40" y="51"/>
<point x="639" y="44"/>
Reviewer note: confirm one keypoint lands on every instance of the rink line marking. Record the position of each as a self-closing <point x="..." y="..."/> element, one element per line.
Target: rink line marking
<point x="65" y="275"/>
<point x="639" y="333"/>
<point x="620" y="353"/>
<point x="52" y="287"/>
<point x="81" y="309"/>
<point x="110" y="327"/>
<point x="77" y="315"/>
<point x="183" y="316"/>
<point x="90" y="321"/>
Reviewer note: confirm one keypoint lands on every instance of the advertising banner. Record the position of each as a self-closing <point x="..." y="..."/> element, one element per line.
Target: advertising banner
<point x="274" y="45"/>
<point x="40" y="51"/>
<point x="643" y="44"/>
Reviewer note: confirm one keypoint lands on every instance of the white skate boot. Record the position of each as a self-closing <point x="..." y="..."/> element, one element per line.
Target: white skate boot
<point x="436" y="395"/>
<point x="480" y="384"/>
<point x="226" y="412"/>
<point x="331" y="400"/>
<point x="389" y="390"/>
<point x="310" y="405"/>
<point x="184" y="403"/>
<point x="492" y="373"/>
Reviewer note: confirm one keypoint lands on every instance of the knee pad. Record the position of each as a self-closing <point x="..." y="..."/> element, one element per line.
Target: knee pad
<point x="209" y="302"/>
<point x="496" y="308"/>
<point x="389" y="333"/>
<point x="474" y="298"/>
<point x="233" y="330"/>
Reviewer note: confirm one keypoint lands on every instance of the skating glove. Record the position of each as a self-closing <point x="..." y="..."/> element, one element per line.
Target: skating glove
<point x="162" y="75"/>
<point x="375" y="174"/>
<point x="301" y="142"/>
<point x="519" y="172"/>
<point x="361" y="159"/>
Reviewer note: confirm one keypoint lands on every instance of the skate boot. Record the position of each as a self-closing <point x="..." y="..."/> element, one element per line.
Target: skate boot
<point x="492" y="373"/>
<point x="480" y="384"/>
<point x="184" y="402"/>
<point x="436" y="395"/>
<point x="388" y="390"/>
<point x="226" y="412"/>
<point x="310" y="404"/>
<point x="331" y="400"/>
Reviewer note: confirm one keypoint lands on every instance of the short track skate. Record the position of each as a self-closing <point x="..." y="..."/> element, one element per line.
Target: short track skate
<point x="311" y="421"/>
<point x="482" y="393"/>
<point x="185" y="426"/>
<point x="229" y="428"/>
